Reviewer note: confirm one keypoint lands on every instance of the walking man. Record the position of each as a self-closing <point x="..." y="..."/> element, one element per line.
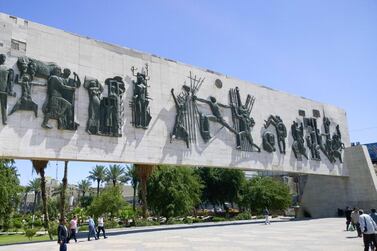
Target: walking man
<point x="266" y="214"/>
<point x="62" y="235"/>
<point x="368" y="228"/>
<point x="348" y="217"/>
<point x="101" y="226"/>
<point x="373" y="214"/>
<point x="92" y="229"/>
<point x="73" y="229"/>
<point x="355" y="221"/>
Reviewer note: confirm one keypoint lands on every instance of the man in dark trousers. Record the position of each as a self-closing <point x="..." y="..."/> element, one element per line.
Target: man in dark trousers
<point x="368" y="228"/>
<point x="348" y="217"/>
<point x="62" y="235"/>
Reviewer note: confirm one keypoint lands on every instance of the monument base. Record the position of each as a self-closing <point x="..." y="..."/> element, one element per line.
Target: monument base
<point x="323" y="195"/>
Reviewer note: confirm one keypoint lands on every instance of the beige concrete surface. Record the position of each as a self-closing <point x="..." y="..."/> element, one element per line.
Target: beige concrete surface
<point x="312" y="235"/>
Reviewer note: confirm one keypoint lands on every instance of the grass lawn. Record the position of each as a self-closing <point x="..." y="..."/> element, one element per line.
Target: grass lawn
<point x="16" y="238"/>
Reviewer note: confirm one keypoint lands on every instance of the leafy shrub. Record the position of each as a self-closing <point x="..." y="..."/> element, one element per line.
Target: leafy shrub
<point x="17" y="223"/>
<point x="197" y="220"/>
<point x="38" y="223"/>
<point x="83" y="228"/>
<point x="218" y="219"/>
<point x="142" y="222"/>
<point x="112" y="224"/>
<point x="188" y="220"/>
<point x="173" y="221"/>
<point x="53" y="228"/>
<point x="243" y="216"/>
<point x="30" y="232"/>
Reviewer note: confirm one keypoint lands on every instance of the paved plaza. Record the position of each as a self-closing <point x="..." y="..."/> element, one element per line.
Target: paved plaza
<point x="320" y="234"/>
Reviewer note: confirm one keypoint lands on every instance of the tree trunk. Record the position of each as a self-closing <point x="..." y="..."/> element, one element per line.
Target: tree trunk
<point x="98" y="181"/>
<point x="63" y="191"/>
<point x="35" y="202"/>
<point x="144" y="197"/>
<point x="39" y="166"/>
<point x="143" y="172"/>
<point x="114" y="182"/>
<point x="134" y="200"/>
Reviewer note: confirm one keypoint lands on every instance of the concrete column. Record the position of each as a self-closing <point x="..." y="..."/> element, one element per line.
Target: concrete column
<point x="323" y="195"/>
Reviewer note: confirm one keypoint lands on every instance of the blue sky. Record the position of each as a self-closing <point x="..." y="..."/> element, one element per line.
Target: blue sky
<point x="323" y="50"/>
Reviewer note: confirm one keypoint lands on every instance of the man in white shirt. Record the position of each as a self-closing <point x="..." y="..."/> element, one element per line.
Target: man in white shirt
<point x="101" y="226"/>
<point x="368" y="227"/>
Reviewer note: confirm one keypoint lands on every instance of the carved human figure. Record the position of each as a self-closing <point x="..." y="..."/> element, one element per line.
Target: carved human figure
<point x="58" y="104"/>
<point x="140" y="101"/>
<point x="113" y="107"/>
<point x="337" y="146"/>
<point x="95" y="90"/>
<point x="281" y="130"/>
<point x="216" y="113"/>
<point x="179" y="130"/>
<point x="245" y="124"/>
<point x="268" y="139"/>
<point x="298" y="146"/>
<point x="27" y="72"/>
<point x="312" y="143"/>
<point x="6" y="78"/>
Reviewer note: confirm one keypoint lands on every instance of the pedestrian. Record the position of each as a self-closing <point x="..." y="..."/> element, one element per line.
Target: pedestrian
<point x="355" y="220"/>
<point x="101" y="226"/>
<point x="266" y="214"/>
<point x="62" y="235"/>
<point x="92" y="229"/>
<point x="348" y="217"/>
<point x="373" y="214"/>
<point x="368" y="228"/>
<point x="73" y="229"/>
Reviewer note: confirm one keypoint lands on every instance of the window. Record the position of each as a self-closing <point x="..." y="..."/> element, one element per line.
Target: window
<point x="316" y="114"/>
<point x="301" y="113"/>
<point x="18" y="45"/>
<point x="14" y="19"/>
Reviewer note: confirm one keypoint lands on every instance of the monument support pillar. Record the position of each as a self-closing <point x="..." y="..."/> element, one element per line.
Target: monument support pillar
<point x="324" y="195"/>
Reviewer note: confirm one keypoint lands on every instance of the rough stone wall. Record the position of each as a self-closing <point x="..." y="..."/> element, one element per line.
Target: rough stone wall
<point x="23" y="137"/>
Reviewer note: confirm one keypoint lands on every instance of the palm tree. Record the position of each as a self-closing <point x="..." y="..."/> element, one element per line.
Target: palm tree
<point x="27" y="189"/>
<point x="84" y="186"/>
<point x="131" y="173"/>
<point x="64" y="189"/>
<point x="143" y="172"/>
<point x="98" y="174"/>
<point x="34" y="186"/>
<point x="115" y="173"/>
<point x="39" y="167"/>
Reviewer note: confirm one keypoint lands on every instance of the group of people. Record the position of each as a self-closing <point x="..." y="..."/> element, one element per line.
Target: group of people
<point x="365" y="225"/>
<point x="65" y="234"/>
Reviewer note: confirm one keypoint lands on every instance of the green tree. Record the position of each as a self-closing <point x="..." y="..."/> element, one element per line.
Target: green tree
<point x="232" y="181"/>
<point x="84" y="186"/>
<point x="39" y="166"/>
<point x="115" y="173"/>
<point x="35" y="187"/>
<point x="143" y="173"/>
<point x="110" y="201"/>
<point x="221" y="185"/>
<point x="173" y="191"/>
<point x="98" y="174"/>
<point x="9" y="190"/>
<point x="131" y="172"/>
<point x="261" y="192"/>
<point x="53" y="204"/>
